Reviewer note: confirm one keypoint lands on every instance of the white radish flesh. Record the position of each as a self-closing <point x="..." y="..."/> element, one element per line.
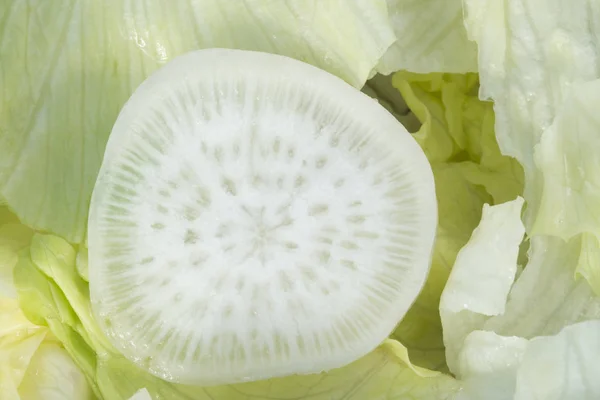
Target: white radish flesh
<point x="255" y="217"/>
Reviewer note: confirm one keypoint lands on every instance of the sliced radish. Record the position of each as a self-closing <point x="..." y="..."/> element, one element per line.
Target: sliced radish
<point x="255" y="217"/>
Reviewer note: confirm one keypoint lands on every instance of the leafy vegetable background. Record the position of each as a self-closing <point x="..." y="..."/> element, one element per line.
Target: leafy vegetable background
<point x="478" y="82"/>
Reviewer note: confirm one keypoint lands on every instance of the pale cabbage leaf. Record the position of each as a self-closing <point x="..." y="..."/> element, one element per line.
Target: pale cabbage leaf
<point x="482" y="276"/>
<point x="67" y="70"/>
<point x="33" y="364"/>
<point x="431" y="38"/>
<point x="564" y="366"/>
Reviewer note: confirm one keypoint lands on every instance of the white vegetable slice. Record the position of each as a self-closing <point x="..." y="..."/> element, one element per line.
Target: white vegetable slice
<point x="255" y="217"/>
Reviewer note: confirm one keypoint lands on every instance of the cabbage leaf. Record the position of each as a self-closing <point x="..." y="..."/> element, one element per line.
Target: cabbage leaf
<point x="33" y="364"/>
<point x="544" y="103"/>
<point x="457" y="135"/>
<point x="482" y="276"/>
<point x="431" y="38"/>
<point x="67" y="70"/>
<point x="542" y="100"/>
<point x="558" y="367"/>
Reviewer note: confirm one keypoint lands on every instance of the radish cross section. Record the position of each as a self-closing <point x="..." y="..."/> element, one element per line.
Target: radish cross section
<point x="255" y="217"/>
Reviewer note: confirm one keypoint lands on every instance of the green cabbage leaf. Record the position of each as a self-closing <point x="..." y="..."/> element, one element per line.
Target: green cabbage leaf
<point x="67" y="70"/>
